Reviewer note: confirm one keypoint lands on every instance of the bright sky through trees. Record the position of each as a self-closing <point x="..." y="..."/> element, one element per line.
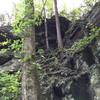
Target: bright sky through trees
<point x="69" y="4"/>
<point x="6" y="6"/>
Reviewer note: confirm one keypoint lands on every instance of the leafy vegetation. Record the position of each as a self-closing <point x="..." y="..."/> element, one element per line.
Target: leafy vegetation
<point x="16" y="48"/>
<point x="82" y="43"/>
<point x="9" y="86"/>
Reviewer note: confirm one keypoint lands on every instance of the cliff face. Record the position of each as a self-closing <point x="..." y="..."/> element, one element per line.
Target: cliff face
<point x="6" y="34"/>
<point x="80" y="72"/>
<point x="51" y="30"/>
<point x="64" y="75"/>
<point x="94" y="15"/>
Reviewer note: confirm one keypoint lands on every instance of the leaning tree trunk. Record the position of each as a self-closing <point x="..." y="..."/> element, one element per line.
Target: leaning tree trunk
<point x="30" y="81"/>
<point x="59" y="38"/>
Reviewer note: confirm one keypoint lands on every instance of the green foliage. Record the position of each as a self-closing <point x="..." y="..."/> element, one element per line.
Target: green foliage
<point x="49" y="8"/>
<point x="78" y="46"/>
<point x="27" y="58"/>
<point x="3" y="51"/>
<point x="41" y="53"/>
<point x="90" y="3"/>
<point x="64" y="13"/>
<point x="25" y="17"/>
<point x="19" y="15"/>
<point x="37" y="65"/>
<point x="16" y="47"/>
<point x="75" y="14"/>
<point x="3" y="43"/>
<point x="28" y="14"/>
<point x="9" y="86"/>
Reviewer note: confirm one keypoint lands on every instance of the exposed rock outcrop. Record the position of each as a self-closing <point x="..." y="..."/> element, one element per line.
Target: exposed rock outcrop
<point x="11" y="66"/>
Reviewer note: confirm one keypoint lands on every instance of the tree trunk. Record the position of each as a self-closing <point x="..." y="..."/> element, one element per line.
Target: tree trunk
<point x="30" y="81"/>
<point x="59" y="38"/>
<point x="30" y="84"/>
<point x="46" y="28"/>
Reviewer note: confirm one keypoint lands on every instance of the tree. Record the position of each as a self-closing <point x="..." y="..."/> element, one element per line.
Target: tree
<point x="30" y="81"/>
<point x="59" y="38"/>
<point x="46" y="28"/>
